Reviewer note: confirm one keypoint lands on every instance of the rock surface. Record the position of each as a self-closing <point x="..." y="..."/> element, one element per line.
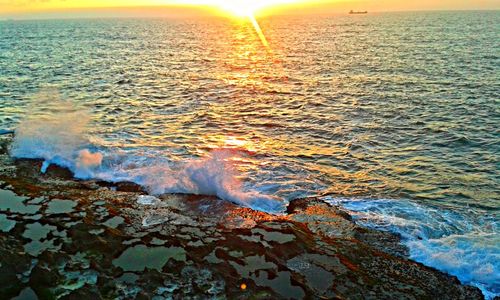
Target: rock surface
<point x="72" y="239"/>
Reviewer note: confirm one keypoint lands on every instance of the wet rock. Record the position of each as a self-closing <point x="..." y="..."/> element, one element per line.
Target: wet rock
<point x="83" y="293"/>
<point x="4" y="144"/>
<point x="41" y="276"/>
<point x="91" y="185"/>
<point x="96" y="240"/>
<point x="11" y="285"/>
<point x="129" y="187"/>
<point x="59" y="172"/>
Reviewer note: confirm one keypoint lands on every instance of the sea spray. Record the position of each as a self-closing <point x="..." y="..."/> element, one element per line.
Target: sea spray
<point x="54" y="130"/>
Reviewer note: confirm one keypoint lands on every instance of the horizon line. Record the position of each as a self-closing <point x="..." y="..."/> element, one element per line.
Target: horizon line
<point x="52" y="14"/>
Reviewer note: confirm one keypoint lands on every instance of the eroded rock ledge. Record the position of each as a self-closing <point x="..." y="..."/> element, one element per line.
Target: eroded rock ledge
<point x="69" y="239"/>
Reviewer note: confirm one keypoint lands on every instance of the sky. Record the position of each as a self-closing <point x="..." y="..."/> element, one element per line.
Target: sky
<point x="183" y="8"/>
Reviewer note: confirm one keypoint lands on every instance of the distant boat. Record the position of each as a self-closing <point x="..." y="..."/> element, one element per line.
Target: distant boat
<point x="352" y="12"/>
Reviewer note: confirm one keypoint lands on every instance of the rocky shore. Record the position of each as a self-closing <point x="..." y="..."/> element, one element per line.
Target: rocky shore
<point x="62" y="238"/>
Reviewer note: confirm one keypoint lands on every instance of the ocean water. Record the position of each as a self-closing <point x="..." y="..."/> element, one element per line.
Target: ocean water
<point x="393" y="116"/>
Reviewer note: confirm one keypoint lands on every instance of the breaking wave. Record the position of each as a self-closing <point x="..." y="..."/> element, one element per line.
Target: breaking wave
<point x="55" y="130"/>
<point x="456" y="242"/>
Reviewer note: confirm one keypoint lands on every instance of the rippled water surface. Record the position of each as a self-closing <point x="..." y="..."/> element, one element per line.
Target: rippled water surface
<point x="357" y="109"/>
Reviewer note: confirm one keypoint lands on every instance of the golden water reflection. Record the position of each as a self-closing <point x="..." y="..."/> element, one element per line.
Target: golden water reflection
<point x="260" y="98"/>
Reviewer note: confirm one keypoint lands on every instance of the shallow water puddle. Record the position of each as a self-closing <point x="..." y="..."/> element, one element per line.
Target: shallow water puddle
<point x="141" y="257"/>
<point x="37" y="233"/>
<point x="6" y="224"/>
<point x="13" y="203"/>
<point x="281" y="284"/>
<point x="317" y="277"/>
<point x="274" y="236"/>
<point x="114" y="222"/>
<point x="57" y="206"/>
<point x="252" y="264"/>
<point x="258" y="269"/>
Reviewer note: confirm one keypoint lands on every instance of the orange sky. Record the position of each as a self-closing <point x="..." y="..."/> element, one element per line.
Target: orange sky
<point x="182" y="8"/>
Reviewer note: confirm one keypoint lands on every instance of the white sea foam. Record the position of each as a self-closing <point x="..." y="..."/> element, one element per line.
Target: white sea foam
<point x="55" y="130"/>
<point x="461" y="244"/>
<point x="215" y="174"/>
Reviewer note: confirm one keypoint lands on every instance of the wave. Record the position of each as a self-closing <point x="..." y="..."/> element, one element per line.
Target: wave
<point x="456" y="242"/>
<point x="55" y="130"/>
<point x="216" y="174"/>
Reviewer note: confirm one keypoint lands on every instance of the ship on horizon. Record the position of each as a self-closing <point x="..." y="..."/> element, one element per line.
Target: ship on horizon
<point x="352" y="12"/>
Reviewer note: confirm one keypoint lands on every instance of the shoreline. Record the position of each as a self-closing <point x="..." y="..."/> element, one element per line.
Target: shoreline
<point x="84" y="238"/>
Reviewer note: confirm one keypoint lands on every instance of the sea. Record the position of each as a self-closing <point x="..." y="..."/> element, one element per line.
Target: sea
<point x="395" y="117"/>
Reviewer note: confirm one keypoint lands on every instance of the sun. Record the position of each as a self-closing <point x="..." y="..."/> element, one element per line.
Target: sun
<point x="244" y="9"/>
<point x="240" y="8"/>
